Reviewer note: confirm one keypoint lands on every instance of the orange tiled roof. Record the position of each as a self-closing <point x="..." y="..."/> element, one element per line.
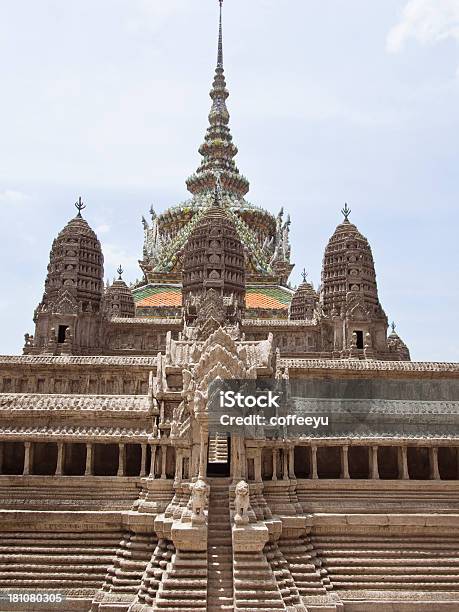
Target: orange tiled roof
<point x="158" y="296"/>
<point x="266" y="298"/>
<point x="271" y="298"/>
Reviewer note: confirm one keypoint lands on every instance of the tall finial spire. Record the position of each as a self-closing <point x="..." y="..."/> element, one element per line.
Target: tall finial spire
<point x="393" y="326"/>
<point x="120" y="272"/>
<point x="218" y="150"/>
<point x="304" y="274"/>
<point x="79" y="206"/>
<point x="220" y="39"/>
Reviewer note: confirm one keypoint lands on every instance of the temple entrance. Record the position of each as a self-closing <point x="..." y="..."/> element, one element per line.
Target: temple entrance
<point x="219" y="456"/>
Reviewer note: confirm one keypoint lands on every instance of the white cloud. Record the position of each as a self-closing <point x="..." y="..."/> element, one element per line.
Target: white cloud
<point x="102" y="229"/>
<point x="114" y="256"/>
<point x="427" y="22"/>
<point x="10" y="196"/>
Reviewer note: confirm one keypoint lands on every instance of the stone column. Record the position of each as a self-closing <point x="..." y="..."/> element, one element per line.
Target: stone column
<point x="121" y="460"/>
<point x="89" y="460"/>
<point x="178" y="465"/>
<point x="345" y="462"/>
<point x="291" y="463"/>
<point x="257" y="466"/>
<point x="203" y="454"/>
<point x="274" y="463"/>
<point x="285" y="474"/>
<point x="153" y="461"/>
<point x="28" y="455"/>
<point x="314" y="473"/>
<point x="403" y="463"/>
<point x="374" y="471"/>
<point x="143" y="460"/>
<point x="163" y="461"/>
<point x="433" y="460"/>
<point x="60" y="459"/>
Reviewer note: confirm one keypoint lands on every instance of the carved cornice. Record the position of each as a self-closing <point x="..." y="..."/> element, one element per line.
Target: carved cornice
<point x="37" y="402"/>
<point x="97" y="360"/>
<point x="369" y="365"/>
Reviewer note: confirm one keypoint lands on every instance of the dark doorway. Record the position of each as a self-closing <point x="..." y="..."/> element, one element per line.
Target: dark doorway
<point x="61" y="333"/>
<point x="218" y="456"/>
<point x="359" y="338"/>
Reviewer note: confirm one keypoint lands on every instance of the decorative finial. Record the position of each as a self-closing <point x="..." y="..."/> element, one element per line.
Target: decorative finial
<point x="220" y="39"/>
<point x="120" y="272"/>
<point x="79" y="206"/>
<point x="393" y="327"/>
<point x="304" y="274"/>
<point x="346" y="211"/>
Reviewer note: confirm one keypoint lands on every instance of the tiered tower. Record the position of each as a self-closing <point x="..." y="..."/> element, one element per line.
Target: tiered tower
<point x="304" y="301"/>
<point x="118" y="300"/>
<point x="214" y="268"/>
<point x="218" y="150"/>
<point x="349" y="292"/>
<point x="67" y="319"/>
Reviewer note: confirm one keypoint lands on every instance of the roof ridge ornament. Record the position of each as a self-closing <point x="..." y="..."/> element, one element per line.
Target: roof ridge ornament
<point x="120" y="272"/>
<point x="346" y="211"/>
<point x="304" y="274"/>
<point x="217" y="190"/>
<point x="393" y="326"/>
<point x="80" y="206"/>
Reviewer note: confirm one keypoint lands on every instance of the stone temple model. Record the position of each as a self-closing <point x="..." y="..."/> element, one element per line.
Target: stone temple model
<point x="114" y="494"/>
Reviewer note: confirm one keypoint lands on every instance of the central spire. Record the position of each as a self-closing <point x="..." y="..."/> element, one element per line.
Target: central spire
<point x="218" y="150"/>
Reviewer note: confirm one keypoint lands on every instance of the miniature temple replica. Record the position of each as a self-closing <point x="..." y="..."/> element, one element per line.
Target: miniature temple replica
<point x="113" y="492"/>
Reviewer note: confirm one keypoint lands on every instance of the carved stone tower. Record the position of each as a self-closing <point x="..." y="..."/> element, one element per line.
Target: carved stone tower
<point x="349" y="293"/>
<point x="304" y="302"/>
<point x="118" y="300"/>
<point x="214" y="270"/>
<point x="67" y="320"/>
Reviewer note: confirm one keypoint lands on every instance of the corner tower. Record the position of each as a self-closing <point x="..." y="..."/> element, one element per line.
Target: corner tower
<point x="67" y="320"/>
<point x="349" y="293"/>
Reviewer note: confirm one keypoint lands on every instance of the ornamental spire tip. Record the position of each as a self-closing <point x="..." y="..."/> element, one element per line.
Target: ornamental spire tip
<point x="79" y="206"/>
<point x="346" y="211"/>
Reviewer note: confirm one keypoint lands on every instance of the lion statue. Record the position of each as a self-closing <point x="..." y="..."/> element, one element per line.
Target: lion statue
<point x="198" y="501"/>
<point x="242" y="503"/>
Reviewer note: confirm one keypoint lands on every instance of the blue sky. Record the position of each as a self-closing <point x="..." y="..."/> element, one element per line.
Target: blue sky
<point x="331" y="101"/>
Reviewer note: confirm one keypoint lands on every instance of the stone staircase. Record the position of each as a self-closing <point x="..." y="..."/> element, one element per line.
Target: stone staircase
<point x="376" y="562"/>
<point x="124" y="576"/>
<point x="153" y="574"/>
<point x="218" y="449"/>
<point x="44" y="560"/>
<point x="255" y="587"/>
<point x="310" y="578"/>
<point x="183" y="587"/>
<point x="219" y="548"/>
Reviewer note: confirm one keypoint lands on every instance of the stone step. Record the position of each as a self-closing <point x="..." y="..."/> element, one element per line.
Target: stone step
<point x="191" y="585"/>
<point x="259" y="604"/>
<point x="185" y="594"/>
<point x="177" y="605"/>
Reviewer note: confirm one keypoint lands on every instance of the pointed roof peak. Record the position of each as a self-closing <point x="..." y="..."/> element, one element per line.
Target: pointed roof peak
<point x="220" y="38"/>
<point x="218" y="150"/>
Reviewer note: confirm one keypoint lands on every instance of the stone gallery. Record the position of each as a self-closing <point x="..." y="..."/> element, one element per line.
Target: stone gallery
<point x="114" y="493"/>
